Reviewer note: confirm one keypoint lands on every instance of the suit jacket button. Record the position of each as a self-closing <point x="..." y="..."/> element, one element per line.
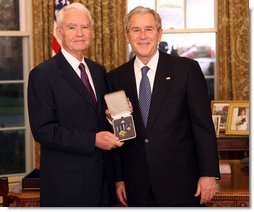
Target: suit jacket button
<point x="146" y="140"/>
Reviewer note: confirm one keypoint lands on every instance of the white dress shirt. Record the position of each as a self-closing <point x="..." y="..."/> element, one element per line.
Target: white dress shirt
<point x="75" y="65"/>
<point x="152" y="64"/>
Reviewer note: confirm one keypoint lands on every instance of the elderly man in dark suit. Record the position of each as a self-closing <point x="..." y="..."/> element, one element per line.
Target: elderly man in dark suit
<point x="67" y="117"/>
<point x="173" y="161"/>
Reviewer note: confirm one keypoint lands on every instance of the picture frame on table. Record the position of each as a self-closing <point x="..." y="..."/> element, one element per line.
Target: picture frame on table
<point x="221" y="107"/>
<point x="216" y="123"/>
<point x="238" y="122"/>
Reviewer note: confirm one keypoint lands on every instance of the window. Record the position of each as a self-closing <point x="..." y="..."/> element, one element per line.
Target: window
<point x="189" y="30"/>
<point x="15" y="42"/>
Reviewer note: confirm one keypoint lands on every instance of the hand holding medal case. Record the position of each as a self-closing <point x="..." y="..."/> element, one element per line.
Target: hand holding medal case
<point x="123" y="124"/>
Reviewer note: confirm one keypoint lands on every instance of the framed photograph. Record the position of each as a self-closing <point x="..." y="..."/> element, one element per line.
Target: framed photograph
<point x="238" y="118"/>
<point x="220" y="107"/>
<point x="216" y="123"/>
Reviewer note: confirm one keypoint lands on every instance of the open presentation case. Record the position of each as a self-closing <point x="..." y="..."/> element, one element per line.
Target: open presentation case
<point x="123" y="124"/>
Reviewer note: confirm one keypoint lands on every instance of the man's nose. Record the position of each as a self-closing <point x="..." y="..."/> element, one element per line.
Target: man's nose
<point x="143" y="34"/>
<point x="79" y="31"/>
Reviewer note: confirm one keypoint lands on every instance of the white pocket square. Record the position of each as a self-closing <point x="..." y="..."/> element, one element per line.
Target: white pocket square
<point x="168" y="78"/>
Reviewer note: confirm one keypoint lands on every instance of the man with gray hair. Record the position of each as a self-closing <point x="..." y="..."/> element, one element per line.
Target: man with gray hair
<point x="67" y="117"/>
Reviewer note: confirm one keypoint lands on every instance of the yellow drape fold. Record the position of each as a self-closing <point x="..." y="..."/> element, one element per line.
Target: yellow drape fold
<point x="233" y="51"/>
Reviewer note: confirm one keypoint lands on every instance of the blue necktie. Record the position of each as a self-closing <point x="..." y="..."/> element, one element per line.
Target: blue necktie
<point x="144" y="94"/>
<point x="86" y="82"/>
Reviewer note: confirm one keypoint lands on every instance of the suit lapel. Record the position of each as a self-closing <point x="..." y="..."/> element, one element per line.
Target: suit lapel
<point x="130" y="80"/>
<point x="96" y="83"/>
<point x="72" y="79"/>
<point x="162" y="83"/>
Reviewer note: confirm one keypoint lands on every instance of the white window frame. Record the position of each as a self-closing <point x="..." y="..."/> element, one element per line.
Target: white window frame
<point x="199" y="30"/>
<point x="26" y="32"/>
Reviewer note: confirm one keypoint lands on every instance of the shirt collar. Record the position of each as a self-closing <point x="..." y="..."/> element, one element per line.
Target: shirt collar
<point x="152" y="64"/>
<point x="74" y="62"/>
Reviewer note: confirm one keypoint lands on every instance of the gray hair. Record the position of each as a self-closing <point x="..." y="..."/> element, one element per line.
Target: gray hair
<point x="79" y="6"/>
<point x="141" y="11"/>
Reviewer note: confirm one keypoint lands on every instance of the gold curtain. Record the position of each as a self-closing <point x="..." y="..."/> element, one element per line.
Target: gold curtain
<point x="109" y="46"/>
<point x="233" y="51"/>
<point x="43" y="20"/>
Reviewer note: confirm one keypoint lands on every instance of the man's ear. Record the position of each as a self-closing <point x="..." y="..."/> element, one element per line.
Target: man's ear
<point x="160" y="35"/>
<point x="59" y="33"/>
<point x="127" y="37"/>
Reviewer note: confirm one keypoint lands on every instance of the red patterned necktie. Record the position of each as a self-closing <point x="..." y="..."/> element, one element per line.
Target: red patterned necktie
<point x="86" y="82"/>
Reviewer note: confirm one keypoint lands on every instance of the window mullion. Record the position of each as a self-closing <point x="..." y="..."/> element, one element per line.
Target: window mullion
<point x="185" y="14"/>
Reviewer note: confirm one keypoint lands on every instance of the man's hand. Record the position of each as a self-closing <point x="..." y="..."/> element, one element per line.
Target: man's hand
<point x="106" y="140"/>
<point x="206" y="188"/>
<point x="130" y="105"/>
<point x="121" y="193"/>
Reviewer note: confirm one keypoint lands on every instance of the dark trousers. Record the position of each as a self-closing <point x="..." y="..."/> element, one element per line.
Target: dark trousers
<point x="152" y="202"/>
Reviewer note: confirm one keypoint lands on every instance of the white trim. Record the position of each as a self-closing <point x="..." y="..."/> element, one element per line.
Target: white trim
<point x="25" y="12"/>
<point x="14" y="33"/>
<point x="216" y="56"/>
<point x="203" y="30"/>
<point x="11" y="81"/>
<point x="22" y="15"/>
<point x="216" y="15"/>
<point x="184" y="14"/>
<point x="12" y="129"/>
<point x="27" y="66"/>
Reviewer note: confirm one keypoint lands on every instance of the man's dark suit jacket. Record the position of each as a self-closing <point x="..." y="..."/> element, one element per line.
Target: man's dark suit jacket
<point x="64" y="120"/>
<point x="179" y="144"/>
